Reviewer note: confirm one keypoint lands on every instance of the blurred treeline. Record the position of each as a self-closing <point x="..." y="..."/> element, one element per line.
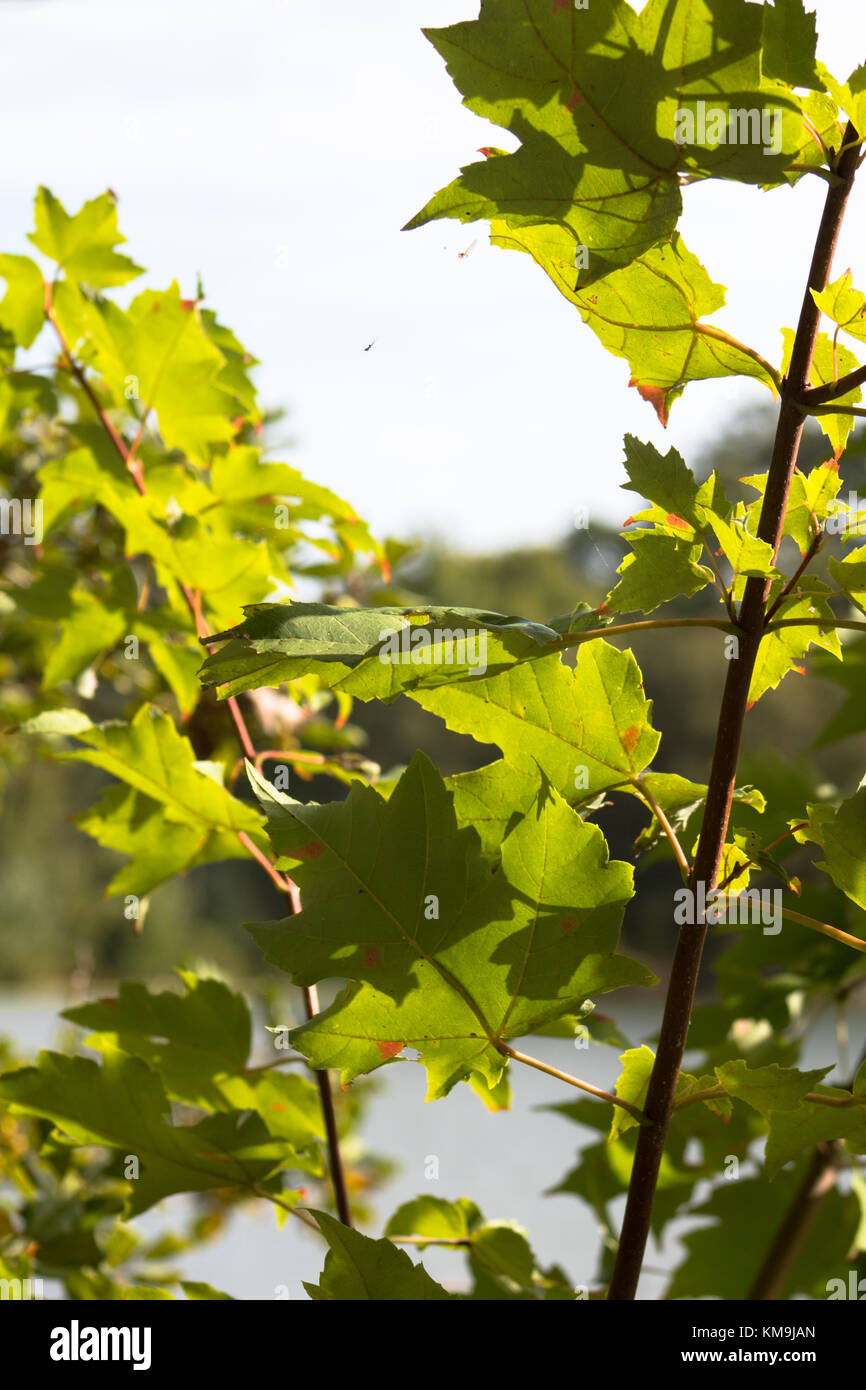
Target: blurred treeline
<point x="57" y="924"/>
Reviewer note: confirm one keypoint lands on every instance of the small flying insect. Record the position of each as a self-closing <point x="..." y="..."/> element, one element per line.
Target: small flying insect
<point x="369" y="345"/>
<point x="461" y="255"/>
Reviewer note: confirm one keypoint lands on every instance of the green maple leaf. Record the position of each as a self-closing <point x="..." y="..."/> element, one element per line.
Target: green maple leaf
<point x="844" y="305"/>
<point x="492" y="798"/>
<point x="92" y="627"/>
<point x="830" y="362"/>
<point x="361" y="1269"/>
<point x="171" y="813"/>
<point x="79" y="479"/>
<point x="850" y="575"/>
<point x="683" y="518"/>
<point x="790" y="40"/>
<point x="691" y="516"/>
<point x="651" y="313"/>
<point x="198" y="1042"/>
<point x="435" y="1217"/>
<point x="446" y="956"/>
<point x="808" y="1124"/>
<point x="810" y="502"/>
<point x="158" y="349"/>
<point x="850" y="95"/>
<point x="594" y="100"/>
<point x="83" y="244"/>
<point x="841" y="833"/>
<point x="178" y="662"/>
<point x="158" y="846"/>
<point x="122" y="1104"/>
<point x="373" y="653"/>
<point x="782" y="649"/>
<point x="22" y="308"/>
<point x="631" y="1085"/>
<point x="657" y="569"/>
<point x="768" y="1088"/>
<point x="717" y="1267"/>
<point x="586" y="727"/>
<point x="745" y="553"/>
<point x="499" y="1253"/>
<point x="23" y="394"/>
<point x="680" y="800"/>
<point x="681" y="506"/>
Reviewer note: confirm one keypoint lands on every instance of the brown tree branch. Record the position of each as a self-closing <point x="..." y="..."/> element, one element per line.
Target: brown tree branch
<point x="818" y="395"/>
<point x="722" y="779"/>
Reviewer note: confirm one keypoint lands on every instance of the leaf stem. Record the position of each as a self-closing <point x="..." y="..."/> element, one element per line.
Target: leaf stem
<point x="572" y="1081"/>
<point x="573" y="639"/>
<point x="835" y="410"/>
<point x="811" y="552"/>
<point x="286" y="1206"/>
<point x="854" y="625"/>
<point x="835" y="933"/>
<point x="679" y="853"/>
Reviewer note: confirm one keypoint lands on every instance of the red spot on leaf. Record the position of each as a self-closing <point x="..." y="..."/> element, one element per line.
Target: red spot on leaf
<point x="109" y="1003"/>
<point x="629" y="738"/>
<point x="215" y="1158"/>
<point x="576" y="100"/>
<point x="310" y="851"/>
<point x="602" y="608"/>
<point x="372" y="957"/>
<point x="156" y="306"/>
<point x="657" y="397"/>
<point x="187" y="305"/>
<point x="568" y="925"/>
<point x="830" y="463"/>
<point x="390" y="1049"/>
<point x="487" y="150"/>
<point x="561" y="5"/>
<point x="277" y="1105"/>
<point x="673" y="520"/>
<point x="801" y="670"/>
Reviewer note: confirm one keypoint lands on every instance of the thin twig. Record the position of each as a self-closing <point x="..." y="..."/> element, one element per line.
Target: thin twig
<point x="679" y="853"/>
<point x="818" y="395"/>
<point x="299" y="1212"/>
<point x="858" y="410"/>
<point x="724" y="592"/>
<point x="572" y="1081"/>
<point x="573" y="639"/>
<point x="811" y="552"/>
<point x="825" y="929"/>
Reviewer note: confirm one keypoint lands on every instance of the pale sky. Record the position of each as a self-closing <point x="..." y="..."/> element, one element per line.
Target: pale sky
<point x="278" y="146"/>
